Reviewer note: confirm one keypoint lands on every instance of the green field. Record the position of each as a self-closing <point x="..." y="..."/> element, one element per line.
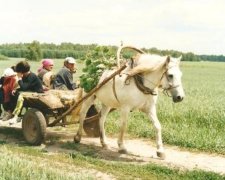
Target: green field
<point x="197" y="123"/>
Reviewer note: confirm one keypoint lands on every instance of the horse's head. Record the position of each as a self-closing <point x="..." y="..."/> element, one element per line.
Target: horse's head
<point x="171" y="80"/>
<point x="152" y="67"/>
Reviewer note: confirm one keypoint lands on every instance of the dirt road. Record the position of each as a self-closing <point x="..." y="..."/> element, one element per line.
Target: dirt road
<point x="139" y="151"/>
<point x="145" y="151"/>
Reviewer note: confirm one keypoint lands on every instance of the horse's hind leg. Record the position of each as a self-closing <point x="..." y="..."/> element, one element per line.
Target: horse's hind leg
<point x="104" y="111"/>
<point x="123" y="120"/>
<point x="84" y="109"/>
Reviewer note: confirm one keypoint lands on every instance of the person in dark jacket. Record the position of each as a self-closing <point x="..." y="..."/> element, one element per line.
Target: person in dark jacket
<point x="64" y="78"/>
<point x="28" y="81"/>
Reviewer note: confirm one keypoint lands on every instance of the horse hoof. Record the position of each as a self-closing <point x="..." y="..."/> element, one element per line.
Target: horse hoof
<point x="105" y="146"/>
<point x="161" y="155"/>
<point x="77" y="139"/>
<point x="122" y="151"/>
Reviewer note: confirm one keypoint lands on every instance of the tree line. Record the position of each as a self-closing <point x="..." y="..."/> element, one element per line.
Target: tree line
<point x="36" y="51"/>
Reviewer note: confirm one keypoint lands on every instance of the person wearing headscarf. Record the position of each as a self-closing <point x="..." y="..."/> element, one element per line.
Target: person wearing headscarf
<point x="47" y="65"/>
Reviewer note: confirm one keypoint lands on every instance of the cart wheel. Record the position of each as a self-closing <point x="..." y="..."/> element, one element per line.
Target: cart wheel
<point x="91" y="123"/>
<point x="34" y="126"/>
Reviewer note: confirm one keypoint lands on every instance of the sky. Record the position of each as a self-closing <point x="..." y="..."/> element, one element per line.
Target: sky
<point x="196" y="26"/>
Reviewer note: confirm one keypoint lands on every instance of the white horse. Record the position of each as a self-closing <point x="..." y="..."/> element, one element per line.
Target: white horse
<point x="156" y="72"/>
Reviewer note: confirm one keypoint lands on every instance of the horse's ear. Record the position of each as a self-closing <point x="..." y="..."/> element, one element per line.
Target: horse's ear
<point x="167" y="61"/>
<point x="179" y="58"/>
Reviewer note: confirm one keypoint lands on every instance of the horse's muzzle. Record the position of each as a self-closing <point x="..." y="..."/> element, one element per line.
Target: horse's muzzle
<point x="177" y="99"/>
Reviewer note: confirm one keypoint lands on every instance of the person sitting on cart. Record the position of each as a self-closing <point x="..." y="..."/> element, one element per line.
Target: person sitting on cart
<point x="45" y="73"/>
<point x="64" y="78"/>
<point x="47" y="65"/>
<point x="8" y="84"/>
<point x="28" y="81"/>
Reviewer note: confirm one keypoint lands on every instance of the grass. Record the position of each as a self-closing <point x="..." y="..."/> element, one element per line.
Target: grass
<point x="28" y="165"/>
<point x="199" y="121"/>
<point x="23" y="162"/>
<point x="2" y="57"/>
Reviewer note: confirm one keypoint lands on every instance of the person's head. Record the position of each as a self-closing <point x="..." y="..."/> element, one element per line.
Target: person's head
<point x="70" y="63"/>
<point x="8" y="72"/>
<point x="22" y="67"/>
<point x="47" y="64"/>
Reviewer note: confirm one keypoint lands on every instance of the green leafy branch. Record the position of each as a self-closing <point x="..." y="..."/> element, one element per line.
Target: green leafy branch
<point x="98" y="60"/>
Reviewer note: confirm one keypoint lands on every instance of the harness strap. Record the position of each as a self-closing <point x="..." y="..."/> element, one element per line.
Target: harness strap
<point x="114" y="89"/>
<point x="138" y="79"/>
<point x="140" y="85"/>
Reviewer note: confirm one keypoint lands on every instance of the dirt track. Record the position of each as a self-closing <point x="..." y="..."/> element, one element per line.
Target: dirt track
<point x="144" y="151"/>
<point x="139" y="151"/>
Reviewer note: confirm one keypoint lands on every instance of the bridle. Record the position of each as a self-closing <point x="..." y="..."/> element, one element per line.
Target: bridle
<point x="171" y="86"/>
<point x="165" y="90"/>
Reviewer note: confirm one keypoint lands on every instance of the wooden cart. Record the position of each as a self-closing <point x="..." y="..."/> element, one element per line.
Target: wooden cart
<point x="46" y="110"/>
<point x="51" y="108"/>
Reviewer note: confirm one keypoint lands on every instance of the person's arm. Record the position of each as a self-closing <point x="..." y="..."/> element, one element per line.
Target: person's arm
<point x="30" y="84"/>
<point x="69" y="80"/>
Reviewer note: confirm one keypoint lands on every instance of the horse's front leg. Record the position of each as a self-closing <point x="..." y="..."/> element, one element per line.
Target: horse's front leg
<point x="104" y="111"/>
<point x="153" y="116"/>
<point x="123" y="120"/>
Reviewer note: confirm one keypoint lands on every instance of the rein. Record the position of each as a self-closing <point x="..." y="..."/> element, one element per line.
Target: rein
<point x="138" y="79"/>
<point x="114" y="90"/>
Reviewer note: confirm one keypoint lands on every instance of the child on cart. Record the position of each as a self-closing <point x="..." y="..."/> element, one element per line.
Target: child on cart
<point x="8" y="83"/>
<point x="28" y="81"/>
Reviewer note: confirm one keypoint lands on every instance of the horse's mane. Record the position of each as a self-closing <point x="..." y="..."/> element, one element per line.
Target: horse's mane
<point x="147" y="63"/>
<point x="153" y="60"/>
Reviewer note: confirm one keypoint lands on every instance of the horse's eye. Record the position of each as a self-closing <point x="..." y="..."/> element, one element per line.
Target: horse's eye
<point x="170" y="76"/>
